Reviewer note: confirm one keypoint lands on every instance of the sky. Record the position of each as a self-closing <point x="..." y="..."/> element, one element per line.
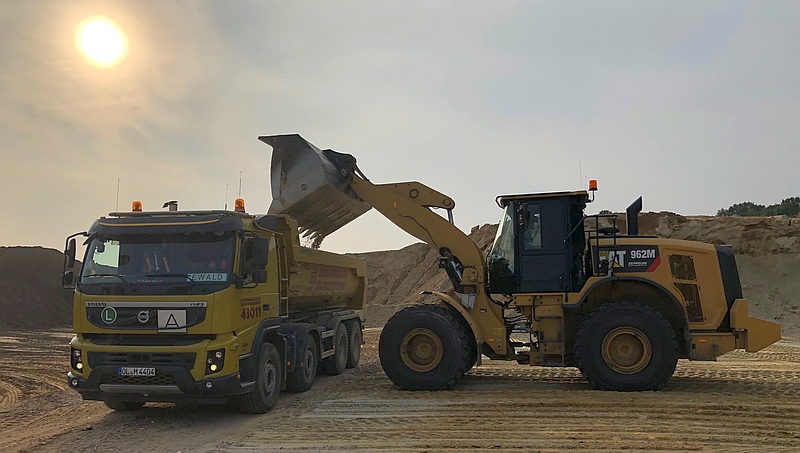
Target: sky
<point x="693" y="105"/>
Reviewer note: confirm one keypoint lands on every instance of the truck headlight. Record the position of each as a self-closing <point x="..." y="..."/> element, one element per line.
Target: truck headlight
<point x="75" y="359"/>
<point x="214" y="361"/>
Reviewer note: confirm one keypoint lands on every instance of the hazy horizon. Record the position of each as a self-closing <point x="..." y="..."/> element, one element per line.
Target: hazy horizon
<point x="694" y="106"/>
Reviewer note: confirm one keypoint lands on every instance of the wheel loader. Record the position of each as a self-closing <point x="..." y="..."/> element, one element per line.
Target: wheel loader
<point x="557" y="288"/>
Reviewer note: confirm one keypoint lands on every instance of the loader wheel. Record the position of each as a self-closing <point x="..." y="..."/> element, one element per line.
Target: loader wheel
<point x="124" y="405"/>
<point x="268" y="383"/>
<point x="303" y="376"/>
<point x="626" y="347"/>
<point x="424" y="348"/>
<point x="353" y="343"/>
<point x="336" y="363"/>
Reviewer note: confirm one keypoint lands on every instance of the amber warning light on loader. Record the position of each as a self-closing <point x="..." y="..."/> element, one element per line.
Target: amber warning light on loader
<point x="136" y="206"/>
<point x="592" y="185"/>
<point x="238" y="205"/>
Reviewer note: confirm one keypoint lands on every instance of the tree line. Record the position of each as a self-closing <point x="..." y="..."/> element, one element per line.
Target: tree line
<point x="789" y="206"/>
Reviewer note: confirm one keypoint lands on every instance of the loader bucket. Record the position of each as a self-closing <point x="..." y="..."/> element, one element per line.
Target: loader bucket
<point x="307" y="186"/>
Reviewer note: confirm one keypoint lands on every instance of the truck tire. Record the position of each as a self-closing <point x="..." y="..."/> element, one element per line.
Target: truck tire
<point x="354" y="337"/>
<point x="336" y="363"/>
<point x="124" y="405"/>
<point x="424" y="348"/>
<point x="268" y="383"/>
<point x="626" y="347"/>
<point x="302" y="378"/>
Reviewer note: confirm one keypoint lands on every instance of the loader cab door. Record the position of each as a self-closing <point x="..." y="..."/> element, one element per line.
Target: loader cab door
<point x="541" y="249"/>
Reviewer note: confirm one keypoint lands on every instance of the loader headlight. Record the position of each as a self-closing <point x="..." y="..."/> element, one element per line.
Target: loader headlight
<point x="214" y="360"/>
<point x="75" y="359"/>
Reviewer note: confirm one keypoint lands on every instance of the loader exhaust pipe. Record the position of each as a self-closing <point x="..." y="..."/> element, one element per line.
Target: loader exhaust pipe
<point x="632" y="217"/>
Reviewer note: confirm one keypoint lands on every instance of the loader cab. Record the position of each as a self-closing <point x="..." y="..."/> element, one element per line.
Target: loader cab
<point x="537" y="248"/>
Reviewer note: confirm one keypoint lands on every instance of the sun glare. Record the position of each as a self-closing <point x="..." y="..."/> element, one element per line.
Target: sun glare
<point x="101" y="41"/>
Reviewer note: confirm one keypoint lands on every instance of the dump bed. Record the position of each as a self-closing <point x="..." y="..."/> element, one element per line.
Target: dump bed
<point x="321" y="280"/>
<point x="317" y="280"/>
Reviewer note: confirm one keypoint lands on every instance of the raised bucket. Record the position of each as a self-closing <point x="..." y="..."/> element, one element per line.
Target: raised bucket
<point x="309" y="188"/>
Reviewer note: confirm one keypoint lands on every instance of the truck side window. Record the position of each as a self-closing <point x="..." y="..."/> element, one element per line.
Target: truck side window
<point x="532" y="227"/>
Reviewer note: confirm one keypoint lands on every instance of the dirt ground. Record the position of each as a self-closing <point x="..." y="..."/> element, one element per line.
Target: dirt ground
<point x="744" y="402"/>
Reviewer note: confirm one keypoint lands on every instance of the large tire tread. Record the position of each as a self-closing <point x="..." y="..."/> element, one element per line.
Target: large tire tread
<point x="403" y="321"/>
<point x="601" y="377"/>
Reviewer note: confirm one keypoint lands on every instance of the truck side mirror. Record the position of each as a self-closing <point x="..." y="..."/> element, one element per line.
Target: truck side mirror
<point x="67" y="279"/>
<point x="69" y="254"/>
<point x="260" y="275"/>
<point x="255" y="253"/>
<point x="260" y="252"/>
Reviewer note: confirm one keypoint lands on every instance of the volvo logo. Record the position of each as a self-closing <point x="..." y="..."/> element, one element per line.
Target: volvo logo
<point x="143" y="316"/>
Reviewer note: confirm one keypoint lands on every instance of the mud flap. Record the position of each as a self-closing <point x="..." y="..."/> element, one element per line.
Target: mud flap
<point x="306" y="185"/>
<point x="758" y="334"/>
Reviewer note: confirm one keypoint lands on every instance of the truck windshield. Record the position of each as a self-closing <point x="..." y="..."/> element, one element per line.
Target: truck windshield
<point x="199" y="258"/>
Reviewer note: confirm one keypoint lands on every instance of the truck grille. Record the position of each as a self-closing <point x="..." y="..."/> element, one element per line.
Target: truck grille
<point x="163" y="379"/>
<point x="105" y="339"/>
<point x="184" y="359"/>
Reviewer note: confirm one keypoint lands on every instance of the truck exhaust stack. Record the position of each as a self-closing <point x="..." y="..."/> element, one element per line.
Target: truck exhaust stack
<point x="308" y="187"/>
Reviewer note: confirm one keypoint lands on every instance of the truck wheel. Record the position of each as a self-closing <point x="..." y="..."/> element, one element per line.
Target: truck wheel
<point x="303" y="376"/>
<point x="336" y="363"/>
<point x="268" y="383"/>
<point x="626" y="347"/>
<point x="424" y="348"/>
<point x="353" y="343"/>
<point x="124" y="405"/>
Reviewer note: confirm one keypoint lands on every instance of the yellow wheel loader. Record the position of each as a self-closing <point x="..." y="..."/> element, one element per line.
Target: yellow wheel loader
<point x="558" y="287"/>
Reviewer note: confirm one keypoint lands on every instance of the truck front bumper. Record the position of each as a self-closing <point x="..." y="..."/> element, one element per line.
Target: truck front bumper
<point x="171" y="385"/>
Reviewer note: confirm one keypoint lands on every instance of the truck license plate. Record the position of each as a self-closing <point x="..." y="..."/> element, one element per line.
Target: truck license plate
<point x="136" y="371"/>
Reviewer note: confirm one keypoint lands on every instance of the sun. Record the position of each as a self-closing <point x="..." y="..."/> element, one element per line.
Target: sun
<point x="101" y="41"/>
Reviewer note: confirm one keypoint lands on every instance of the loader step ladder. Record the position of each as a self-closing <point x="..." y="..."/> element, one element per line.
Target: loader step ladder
<point x="550" y="338"/>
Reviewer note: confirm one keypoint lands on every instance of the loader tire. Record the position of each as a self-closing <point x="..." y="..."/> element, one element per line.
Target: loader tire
<point x="336" y="363"/>
<point x="124" y="405"/>
<point x="302" y="378"/>
<point x="424" y="348"/>
<point x="354" y="338"/>
<point x="268" y="383"/>
<point x="626" y="347"/>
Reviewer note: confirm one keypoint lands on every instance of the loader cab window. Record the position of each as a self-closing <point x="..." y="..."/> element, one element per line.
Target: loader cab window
<point x="542" y="229"/>
<point x="532" y="227"/>
<point x="501" y="256"/>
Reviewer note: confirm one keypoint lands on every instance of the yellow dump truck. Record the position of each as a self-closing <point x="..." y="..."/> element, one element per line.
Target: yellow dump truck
<point x="207" y="307"/>
<point x="557" y="288"/>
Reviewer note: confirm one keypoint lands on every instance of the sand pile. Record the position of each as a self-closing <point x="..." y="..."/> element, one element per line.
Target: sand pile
<point x="767" y="248"/>
<point x="31" y="296"/>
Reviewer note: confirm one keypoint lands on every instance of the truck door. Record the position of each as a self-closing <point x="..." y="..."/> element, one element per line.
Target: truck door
<point x="542" y="252"/>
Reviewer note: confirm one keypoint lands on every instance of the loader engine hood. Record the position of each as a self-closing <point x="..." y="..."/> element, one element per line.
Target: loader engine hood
<point x="309" y="185"/>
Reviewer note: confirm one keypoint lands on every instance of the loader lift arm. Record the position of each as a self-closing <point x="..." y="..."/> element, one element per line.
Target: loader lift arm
<point x="409" y="206"/>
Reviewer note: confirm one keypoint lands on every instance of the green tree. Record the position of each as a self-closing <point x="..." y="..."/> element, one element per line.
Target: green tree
<point x="789" y="206"/>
